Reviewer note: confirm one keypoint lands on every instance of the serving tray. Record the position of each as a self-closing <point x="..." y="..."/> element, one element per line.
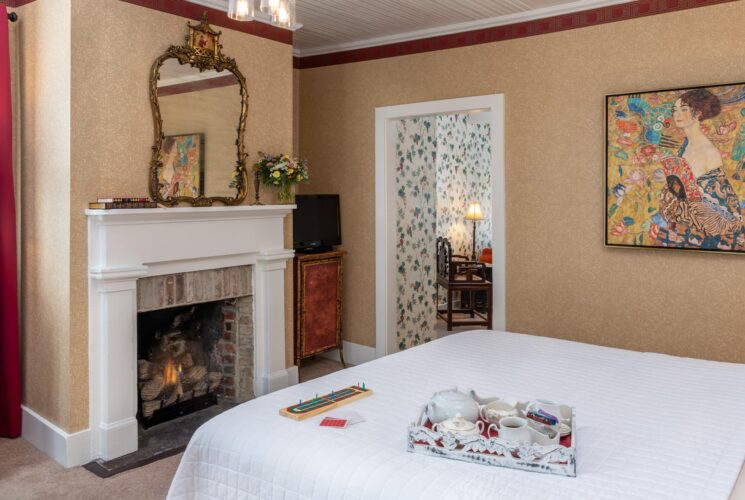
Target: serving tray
<point x="481" y="449"/>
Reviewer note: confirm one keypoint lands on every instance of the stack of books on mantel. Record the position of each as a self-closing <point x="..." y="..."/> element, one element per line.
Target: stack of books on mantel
<point x="118" y="203"/>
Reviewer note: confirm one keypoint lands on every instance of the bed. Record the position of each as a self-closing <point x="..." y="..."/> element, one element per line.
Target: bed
<point x="647" y="428"/>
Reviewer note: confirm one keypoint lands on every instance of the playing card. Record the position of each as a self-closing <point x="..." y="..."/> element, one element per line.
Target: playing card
<point x="338" y="423"/>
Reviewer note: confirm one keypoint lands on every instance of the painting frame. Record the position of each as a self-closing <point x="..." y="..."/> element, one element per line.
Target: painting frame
<point x="734" y="182"/>
<point x="196" y="171"/>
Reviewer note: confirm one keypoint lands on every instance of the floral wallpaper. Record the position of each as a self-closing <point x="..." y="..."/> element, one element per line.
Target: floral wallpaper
<point x="463" y="176"/>
<point x="443" y="165"/>
<point x="416" y="150"/>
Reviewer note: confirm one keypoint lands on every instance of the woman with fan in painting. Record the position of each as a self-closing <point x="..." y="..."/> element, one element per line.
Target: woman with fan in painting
<point x="698" y="207"/>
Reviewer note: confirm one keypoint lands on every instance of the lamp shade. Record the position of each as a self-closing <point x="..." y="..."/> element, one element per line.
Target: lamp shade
<point x="474" y="211"/>
<point x="241" y="10"/>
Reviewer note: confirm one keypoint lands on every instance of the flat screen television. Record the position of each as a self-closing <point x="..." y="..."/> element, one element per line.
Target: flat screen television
<point x="316" y="224"/>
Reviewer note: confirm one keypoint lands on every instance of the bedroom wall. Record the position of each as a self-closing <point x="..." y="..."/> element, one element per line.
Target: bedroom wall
<point x="561" y="280"/>
<point x="87" y="133"/>
<point x="43" y="34"/>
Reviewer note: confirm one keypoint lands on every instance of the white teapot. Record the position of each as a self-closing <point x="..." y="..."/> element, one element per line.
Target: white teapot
<point x="450" y="403"/>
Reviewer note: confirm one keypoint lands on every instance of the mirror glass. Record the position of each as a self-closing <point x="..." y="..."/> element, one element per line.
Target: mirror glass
<point x="201" y="114"/>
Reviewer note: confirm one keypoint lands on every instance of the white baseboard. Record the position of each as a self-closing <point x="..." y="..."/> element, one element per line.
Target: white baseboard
<point x="69" y="450"/>
<point x="354" y="354"/>
<point x="117" y="438"/>
<point x="281" y="378"/>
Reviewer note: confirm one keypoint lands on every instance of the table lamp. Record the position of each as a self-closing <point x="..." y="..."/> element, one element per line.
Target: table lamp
<point x="474" y="214"/>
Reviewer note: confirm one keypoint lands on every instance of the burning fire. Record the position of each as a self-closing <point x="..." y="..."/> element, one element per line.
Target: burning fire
<point x="173" y="374"/>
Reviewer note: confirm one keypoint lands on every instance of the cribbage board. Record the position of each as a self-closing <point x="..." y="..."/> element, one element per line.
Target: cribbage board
<point x="321" y="404"/>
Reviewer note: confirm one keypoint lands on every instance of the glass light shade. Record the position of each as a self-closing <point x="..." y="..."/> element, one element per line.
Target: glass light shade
<point x="474" y="211"/>
<point x="241" y="10"/>
<point x="292" y="21"/>
<point x="269" y="7"/>
<point x="283" y="14"/>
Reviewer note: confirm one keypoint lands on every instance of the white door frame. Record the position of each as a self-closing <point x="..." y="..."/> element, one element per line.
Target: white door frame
<point x="385" y="207"/>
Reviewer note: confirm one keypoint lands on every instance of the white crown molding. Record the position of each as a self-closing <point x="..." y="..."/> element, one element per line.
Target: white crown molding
<point x="491" y="22"/>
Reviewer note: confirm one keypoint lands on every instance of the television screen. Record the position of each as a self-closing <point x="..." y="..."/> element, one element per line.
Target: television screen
<point x="316" y="224"/>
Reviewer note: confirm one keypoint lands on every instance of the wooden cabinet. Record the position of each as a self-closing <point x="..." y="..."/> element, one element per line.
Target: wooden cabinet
<point x="318" y="301"/>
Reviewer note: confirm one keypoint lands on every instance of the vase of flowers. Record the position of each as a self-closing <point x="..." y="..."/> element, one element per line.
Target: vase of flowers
<point x="283" y="172"/>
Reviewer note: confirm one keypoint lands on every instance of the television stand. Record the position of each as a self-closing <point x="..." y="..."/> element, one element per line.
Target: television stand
<point x="314" y="250"/>
<point x="317" y="304"/>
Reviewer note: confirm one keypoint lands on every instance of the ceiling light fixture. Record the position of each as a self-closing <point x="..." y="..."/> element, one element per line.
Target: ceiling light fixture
<point x="241" y="10"/>
<point x="280" y="13"/>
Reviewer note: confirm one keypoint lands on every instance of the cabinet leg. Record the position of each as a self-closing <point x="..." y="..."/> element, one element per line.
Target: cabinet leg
<point x="341" y="357"/>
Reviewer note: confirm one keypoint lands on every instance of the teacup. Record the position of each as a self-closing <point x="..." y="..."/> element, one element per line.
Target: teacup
<point x="497" y="410"/>
<point x="514" y="429"/>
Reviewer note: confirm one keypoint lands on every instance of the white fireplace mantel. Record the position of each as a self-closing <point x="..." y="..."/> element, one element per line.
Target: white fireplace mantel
<point x="125" y="245"/>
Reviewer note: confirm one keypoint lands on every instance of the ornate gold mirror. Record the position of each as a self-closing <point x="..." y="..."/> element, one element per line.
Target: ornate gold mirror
<point x="199" y="102"/>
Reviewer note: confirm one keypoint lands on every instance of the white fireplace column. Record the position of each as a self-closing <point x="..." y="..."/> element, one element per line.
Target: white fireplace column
<point x="125" y="245"/>
<point x="113" y="352"/>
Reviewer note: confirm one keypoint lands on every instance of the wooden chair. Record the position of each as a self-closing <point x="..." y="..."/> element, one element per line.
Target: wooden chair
<point x="457" y="274"/>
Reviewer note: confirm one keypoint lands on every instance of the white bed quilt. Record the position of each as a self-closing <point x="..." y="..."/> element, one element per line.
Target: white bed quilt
<point x="649" y="426"/>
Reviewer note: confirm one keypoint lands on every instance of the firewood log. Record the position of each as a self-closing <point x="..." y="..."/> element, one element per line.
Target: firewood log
<point x="144" y="369"/>
<point x="152" y="388"/>
<point x="148" y="407"/>
<point x="200" y="389"/>
<point x="173" y="396"/>
<point x="195" y="374"/>
<point x="186" y="361"/>
<point x="214" y="380"/>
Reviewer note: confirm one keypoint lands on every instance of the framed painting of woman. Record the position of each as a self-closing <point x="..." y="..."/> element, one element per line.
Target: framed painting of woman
<point x="675" y="169"/>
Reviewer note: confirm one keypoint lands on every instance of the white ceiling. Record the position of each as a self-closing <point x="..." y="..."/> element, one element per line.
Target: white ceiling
<point x="334" y="25"/>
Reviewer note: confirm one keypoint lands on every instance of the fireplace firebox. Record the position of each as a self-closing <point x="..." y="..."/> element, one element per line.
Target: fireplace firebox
<point x="178" y="368"/>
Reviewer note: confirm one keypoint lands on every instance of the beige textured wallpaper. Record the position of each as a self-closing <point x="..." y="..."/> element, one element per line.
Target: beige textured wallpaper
<point x="44" y="57"/>
<point x="561" y="280"/>
<point x="87" y="133"/>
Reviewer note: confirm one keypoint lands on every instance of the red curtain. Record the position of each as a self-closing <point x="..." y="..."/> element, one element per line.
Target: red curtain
<point x="10" y="360"/>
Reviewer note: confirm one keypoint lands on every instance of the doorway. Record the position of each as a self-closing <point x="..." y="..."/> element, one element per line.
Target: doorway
<point x="407" y="145"/>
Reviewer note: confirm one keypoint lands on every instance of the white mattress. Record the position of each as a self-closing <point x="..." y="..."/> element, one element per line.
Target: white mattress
<point x="647" y="428"/>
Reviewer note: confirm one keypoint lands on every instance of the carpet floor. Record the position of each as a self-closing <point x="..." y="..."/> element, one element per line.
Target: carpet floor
<point x="28" y="474"/>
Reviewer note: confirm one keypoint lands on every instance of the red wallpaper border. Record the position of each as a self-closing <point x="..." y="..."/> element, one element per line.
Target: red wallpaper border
<point x="15" y="3"/>
<point x="592" y="17"/>
<point x="193" y="11"/>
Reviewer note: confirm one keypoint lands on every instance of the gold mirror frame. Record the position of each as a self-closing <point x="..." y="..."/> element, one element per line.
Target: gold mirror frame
<point x="209" y="58"/>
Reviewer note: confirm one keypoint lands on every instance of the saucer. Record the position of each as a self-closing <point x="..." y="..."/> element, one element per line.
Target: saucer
<point x="564" y="429"/>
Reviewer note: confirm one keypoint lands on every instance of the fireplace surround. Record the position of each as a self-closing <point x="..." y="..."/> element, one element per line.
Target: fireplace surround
<point x="125" y="246"/>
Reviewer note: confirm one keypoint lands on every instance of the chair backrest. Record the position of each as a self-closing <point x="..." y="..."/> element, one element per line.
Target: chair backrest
<point x="444" y="257"/>
<point x="449" y="265"/>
